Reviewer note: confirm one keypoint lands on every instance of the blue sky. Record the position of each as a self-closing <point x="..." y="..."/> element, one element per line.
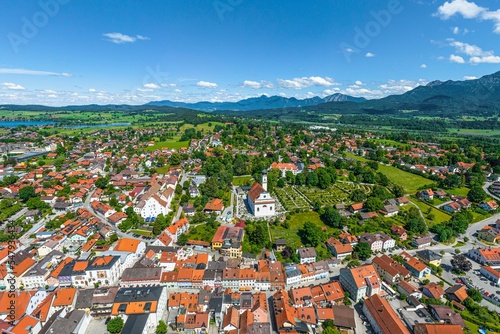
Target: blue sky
<point x="61" y="52"/>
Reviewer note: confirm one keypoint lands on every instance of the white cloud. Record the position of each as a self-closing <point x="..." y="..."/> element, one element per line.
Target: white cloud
<point x="369" y="55"/>
<point x="300" y="83"/>
<point x="456" y="30"/>
<point x="457" y="59"/>
<point x="469" y="10"/>
<point x="358" y="83"/>
<point x="468" y="49"/>
<point x="485" y="60"/>
<point x="423" y="66"/>
<point x="477" y="55"/>
<point x="92" y="90"/>
<point x="151" y="86"/>
<point x="32" y="72"/>
<point x="206" y="84"/>
<point x="168" y="85"/>
<point x="178" y="91"/>
<point x="119" y="38"/>
<point x="12" y="86"/>
<point x="470" y="77"/>
<point x="252" y="84"/>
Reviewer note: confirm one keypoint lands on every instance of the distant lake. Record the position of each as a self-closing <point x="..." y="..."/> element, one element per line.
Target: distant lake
<point x="95" y="125"/>
<point x="13" y="124"/>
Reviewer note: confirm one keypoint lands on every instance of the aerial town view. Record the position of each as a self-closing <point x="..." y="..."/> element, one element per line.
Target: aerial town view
<point x="246" y="167"/>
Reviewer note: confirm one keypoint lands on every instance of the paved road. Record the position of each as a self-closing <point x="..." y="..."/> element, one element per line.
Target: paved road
<point x="485" y="188"/>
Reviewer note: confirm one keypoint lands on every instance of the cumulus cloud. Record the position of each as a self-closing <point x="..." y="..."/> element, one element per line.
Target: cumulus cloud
<point x="92" y="90"/>
<point x="32" y="72"/>
<point x="477" y="55"/>
<point x="206" y="84"/>
<point x="168" y="85"/>
<point x="369" y="55"/>
<point x="12" y="86"/>
<point x="304" y="82"/>
<point x="468" y="10"/>
<point x="423" y="66"/>
<point x="151" y="86"/>
<point x="119" y="38"/>
<point x="252" y="84"/>
<point x="457" y="59"/>
<point x="257" y="84"/>
<point x="470" y="77"/>
<point x="485" y="60"/>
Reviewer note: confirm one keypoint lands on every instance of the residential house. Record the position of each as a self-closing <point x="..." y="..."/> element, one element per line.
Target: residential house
<point x="408" y="289"/>
<point x="416" y="267"/>
<point x="489" y="206"/>
<point x="378" y="241"/>
<point x="427" y="195"/>
<point x="422" y="241"/>
<point x="458" y="293"/>
<point x="307" y="254"/>
<point x="492" y="273"/>
<point x="338" y="249"/>
<point x="486" y="256"/>
<point x="429" y="257"/>
<point x="400" y="232"/>
<point x="215" y="205"/>
<point x="390" y="270"/>
<point x="361" y="281"/>
<point x="433" y="290"/>
<point x="489" y="233"/>
<point x="382" y="317"/>
<point x="446" y="315"/>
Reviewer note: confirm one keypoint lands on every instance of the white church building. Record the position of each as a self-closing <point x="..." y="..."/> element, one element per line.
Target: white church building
<point x="260" y="201"/>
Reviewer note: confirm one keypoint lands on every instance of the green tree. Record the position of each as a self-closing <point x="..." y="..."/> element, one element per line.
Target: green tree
<point x="161" y="328"/>
<point x="332" y="217"/>
<point x="358" y="196"/>
<point x="36" y="203"/>
<point x="398" y="190"/>
<point x="175" y="159"/>
<point x="182" y="239"/>
<point x="363" y="250"/>
<point x="374" y="204"/>
<point x="331" y="330"/>
<point x="475" y="295"/>
<point x="26" y="193"/>
<point x="115" y="325"/>
<point x="476" y="194"/>
<point x="311" y="234"/>
<point x="101" y="183"/>
<point x="328" y="323"/>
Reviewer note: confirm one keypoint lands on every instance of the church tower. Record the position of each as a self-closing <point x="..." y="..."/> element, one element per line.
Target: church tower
<point x="264" y="179"/>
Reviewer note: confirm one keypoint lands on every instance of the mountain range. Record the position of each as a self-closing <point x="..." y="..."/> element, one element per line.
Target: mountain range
<point x="478" y="97"/>
<point x="257" y="103"/>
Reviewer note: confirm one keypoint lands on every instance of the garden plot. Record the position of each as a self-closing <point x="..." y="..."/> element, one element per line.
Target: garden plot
<point x="291" y="199"/>
<point x="338" y="193"/>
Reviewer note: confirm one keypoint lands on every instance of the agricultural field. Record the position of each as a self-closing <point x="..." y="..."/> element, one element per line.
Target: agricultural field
<point x="204" y="127"/>
<point x="439" y="216"/>
<point x="410" y="182"/>
<point x="291" y="199"/>
<point x="458" y="191"/>
<point x="245" y="180"/>
<point x="170" y="144"/>
<point x="290" y="233"/>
